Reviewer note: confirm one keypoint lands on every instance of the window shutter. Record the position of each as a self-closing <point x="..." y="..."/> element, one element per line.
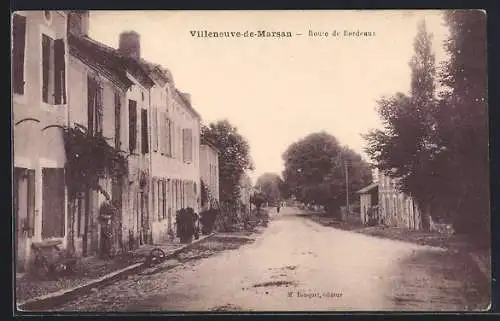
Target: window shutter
<point x="169" y="137"/>
<point x="117" y="121"/>
<point x="46" y="49"/>
<point x="132" y="114"/>
<point x="162" y="133"/>
<point x="144" y="130"/>
<point x="19" y="44"/>
<point x="154" y="195"/>
<point x="155" y="129"/>
<point x="184" y="145"/>
<point x="99" y="108"/>
<point x="53" y="203"/>
<point x="164" y="199"/>
<point x="90" y="104"/>
<point x="190" y="145"/>
<point x="59" y="73"/>
<point x="31" y="202"/>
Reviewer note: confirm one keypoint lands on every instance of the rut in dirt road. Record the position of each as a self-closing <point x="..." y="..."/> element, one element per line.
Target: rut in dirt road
<point x="299" y="265"/>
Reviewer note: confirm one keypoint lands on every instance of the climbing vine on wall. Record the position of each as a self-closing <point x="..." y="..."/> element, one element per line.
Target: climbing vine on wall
<point x="90" y="158"/>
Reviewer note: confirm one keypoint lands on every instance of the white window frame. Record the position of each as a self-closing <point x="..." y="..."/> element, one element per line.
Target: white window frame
<point x="45" y="30"/>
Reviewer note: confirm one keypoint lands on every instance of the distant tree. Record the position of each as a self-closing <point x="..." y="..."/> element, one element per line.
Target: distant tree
<point x="271" y="185"/>
<point x="234" y="157"/>
<point x="315" y="170"/>
<point x="258" y="199"/>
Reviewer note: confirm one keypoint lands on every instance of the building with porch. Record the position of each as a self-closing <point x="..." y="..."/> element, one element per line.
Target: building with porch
<point x="368" y="200"/>
<point x="395" y="207"/>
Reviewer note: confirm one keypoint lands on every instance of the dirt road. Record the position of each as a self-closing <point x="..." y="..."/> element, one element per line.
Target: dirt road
<point x="299" y="265"/>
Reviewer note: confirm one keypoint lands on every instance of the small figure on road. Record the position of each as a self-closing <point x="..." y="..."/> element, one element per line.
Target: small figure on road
<point x="278" y="208"/>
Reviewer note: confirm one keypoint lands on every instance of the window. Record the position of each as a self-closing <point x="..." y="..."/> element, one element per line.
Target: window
<point x="187" y="145"/>
<point x="117" y="121"/>
<point x="168" y="137"/>
<point x="94" y="106"/>
<point x="164" y="199"/>
<point x="154" y="129"/>
<point x="132" y="123"/>
<point x="144" y="132"/>
<point x="53" y="221"/>
<point x="18" y="48"/>
<point x="53" y="71"/>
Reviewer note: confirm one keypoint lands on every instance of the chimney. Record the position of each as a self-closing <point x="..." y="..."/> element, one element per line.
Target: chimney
<point x="130" y="44"/>
<point x="187" y="97"/>
<point x="78" y="22"/>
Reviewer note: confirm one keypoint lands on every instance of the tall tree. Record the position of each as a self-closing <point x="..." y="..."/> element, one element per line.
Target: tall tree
<point x="315" y="172"/>
<point x="405" y="148"/>
<point x="463" y="123"/>
<point x="271" y="185"/>
<point x="234" y="158"/>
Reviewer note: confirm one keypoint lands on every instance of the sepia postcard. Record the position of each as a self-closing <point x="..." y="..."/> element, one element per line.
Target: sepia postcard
<point x="250" y="161"/>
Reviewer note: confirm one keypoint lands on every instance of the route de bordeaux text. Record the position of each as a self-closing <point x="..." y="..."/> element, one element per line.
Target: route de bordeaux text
<point x="344" y="33"/>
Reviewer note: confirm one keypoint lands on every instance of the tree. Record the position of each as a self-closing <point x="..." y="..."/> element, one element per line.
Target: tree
<point x="258" y="199"/>
<point x="463" y="124"/>
<point x="234" y="157"/>
<point x="315" y="170"/>
<point x="406" y="148"/>
<point x="271" y="185"/>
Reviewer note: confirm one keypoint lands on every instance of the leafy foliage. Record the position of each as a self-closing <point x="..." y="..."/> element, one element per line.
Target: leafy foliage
<point x="271" y="185"/>
<point x="234" y="156"/>
<point x="315" y="170"/>
<point x="258" y="199"/>
<point x="90" y="158"/>
<point x="207" y="219"/>
<point x="186" y="224"/>
<point x="438" y="147"/>
<point x="463" y="121"/>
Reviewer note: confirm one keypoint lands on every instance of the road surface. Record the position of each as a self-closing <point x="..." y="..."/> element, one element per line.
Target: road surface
<point x="299" y="265"/>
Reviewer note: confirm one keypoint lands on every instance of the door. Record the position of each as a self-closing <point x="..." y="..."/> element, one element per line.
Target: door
<point x="143" y="219"/>
<point x="116" y="196"/>
<point x="24" y="212"/>
<point x="53" y="200"/>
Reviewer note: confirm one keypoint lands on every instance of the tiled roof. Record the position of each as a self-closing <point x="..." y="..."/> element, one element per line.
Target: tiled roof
<point x="98" y="54"/>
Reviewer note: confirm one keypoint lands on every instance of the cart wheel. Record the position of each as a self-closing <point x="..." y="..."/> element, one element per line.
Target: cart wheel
<point x="156" y="255"/>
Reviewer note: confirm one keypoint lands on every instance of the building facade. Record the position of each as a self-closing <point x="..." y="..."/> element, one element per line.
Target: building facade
<point x="209" y="172"/>
<point x="62" y="78"/>
<point x="98" y="87"/>
<point x="40" y="109"/>
<point x="395" y="207"/>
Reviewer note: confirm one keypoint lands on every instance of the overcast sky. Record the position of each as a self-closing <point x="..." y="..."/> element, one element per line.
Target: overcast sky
<point x="277" y="91"/>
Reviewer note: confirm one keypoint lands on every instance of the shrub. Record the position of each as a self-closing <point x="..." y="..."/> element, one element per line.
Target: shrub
<point x="186" y="224"/>
<point x="207" y="219"/>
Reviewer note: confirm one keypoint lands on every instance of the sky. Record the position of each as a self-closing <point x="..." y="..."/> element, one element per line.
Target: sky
<point x="278" y="90"/>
